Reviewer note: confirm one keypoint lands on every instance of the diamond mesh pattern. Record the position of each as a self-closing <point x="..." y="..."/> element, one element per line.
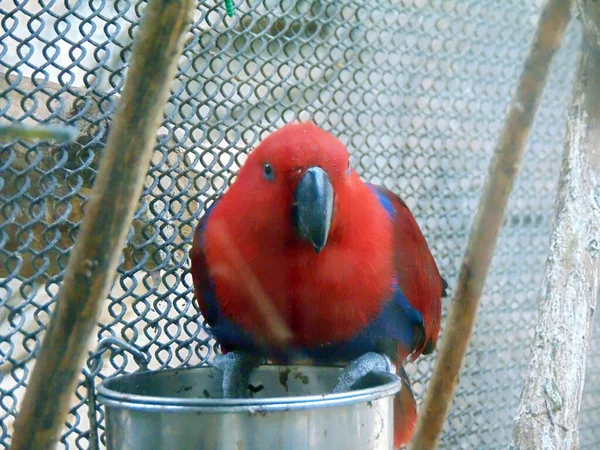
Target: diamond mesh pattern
<point x="417" y="89"/>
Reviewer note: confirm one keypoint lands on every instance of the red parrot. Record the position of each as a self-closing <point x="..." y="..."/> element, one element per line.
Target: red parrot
<point x="302" y="259"/>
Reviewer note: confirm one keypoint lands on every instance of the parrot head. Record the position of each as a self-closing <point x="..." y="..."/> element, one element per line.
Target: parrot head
<point x="295" y="178"/>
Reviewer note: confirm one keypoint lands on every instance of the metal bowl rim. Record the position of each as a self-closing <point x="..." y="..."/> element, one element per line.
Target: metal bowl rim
<point x="110" y="397"/>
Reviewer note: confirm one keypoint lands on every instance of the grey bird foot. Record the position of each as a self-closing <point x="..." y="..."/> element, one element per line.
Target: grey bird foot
<point x="236" y="368"/>
<point x="361" y="367"/>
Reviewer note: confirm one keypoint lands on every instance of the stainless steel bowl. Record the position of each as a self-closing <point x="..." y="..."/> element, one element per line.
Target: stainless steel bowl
<point x="292" y="409"/>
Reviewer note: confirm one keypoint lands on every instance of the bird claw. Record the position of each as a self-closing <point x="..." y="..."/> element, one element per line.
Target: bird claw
<point x="236" y="368"/>
<point x="359" y="368"/>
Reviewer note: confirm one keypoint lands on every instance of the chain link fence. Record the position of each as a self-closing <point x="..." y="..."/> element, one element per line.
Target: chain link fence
<point x="417" y="89"/>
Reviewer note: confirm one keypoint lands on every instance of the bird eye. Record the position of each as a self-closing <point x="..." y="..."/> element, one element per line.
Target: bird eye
<point x="268" y="172"/>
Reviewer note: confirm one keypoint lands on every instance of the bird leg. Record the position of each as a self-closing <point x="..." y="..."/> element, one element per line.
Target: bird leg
<point x="359" y="368"/>
<point x="236" y="367"/>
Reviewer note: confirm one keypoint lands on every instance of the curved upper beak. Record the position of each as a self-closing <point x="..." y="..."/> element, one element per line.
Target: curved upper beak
<point x="313" y="207"/>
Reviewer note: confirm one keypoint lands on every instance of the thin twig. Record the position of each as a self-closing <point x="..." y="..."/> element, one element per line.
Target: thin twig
<point x="56" y="133"/>
<point x="276" y="327"/>
<point x="108" y="215"/>
<point x="548" y="412"/>
<point x="503" y="169"/>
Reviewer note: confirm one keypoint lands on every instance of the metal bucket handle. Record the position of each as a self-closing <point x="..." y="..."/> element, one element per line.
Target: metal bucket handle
<point x="95" y="365"/>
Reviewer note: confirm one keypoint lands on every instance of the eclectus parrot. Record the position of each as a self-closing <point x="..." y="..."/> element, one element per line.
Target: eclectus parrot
<point x="300" y="259"/>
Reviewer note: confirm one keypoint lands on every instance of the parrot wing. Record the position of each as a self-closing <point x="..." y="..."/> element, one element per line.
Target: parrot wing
<point x="416" y="271"/>
<point x="420" y="283"/>
<point x="229" y="335"/>
<point x="205" y="295"/>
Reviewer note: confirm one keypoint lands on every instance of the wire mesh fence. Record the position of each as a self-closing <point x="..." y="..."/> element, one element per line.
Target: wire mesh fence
<point x="417" y="89"/>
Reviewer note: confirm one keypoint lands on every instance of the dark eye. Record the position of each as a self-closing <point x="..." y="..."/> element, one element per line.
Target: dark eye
<point x="268" y="172"/>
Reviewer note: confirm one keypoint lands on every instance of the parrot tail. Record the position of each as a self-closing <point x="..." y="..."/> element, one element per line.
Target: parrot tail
<point x="405" y="411"/>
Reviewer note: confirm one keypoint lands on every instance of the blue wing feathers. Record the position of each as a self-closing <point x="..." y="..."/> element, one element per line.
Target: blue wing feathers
<point x="384" y="201"/>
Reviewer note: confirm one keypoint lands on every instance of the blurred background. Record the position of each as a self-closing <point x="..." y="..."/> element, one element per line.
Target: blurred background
<point x="417" y="90"/>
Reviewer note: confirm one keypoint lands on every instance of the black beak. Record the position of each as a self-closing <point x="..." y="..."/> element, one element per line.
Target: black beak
<point x="313" y="207"/>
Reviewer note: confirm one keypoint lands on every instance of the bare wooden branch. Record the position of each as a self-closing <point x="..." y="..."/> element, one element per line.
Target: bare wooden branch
<point x="503" y="169"/>
<point x="589" y="14"/>
<point x="548" y="412"/>
<point x="107" y="219"/>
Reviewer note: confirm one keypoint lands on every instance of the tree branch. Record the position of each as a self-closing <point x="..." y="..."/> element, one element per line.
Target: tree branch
<point x="504" y="167"/>
<point x="107" y="219"/>
<point x="548" y="412"/>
